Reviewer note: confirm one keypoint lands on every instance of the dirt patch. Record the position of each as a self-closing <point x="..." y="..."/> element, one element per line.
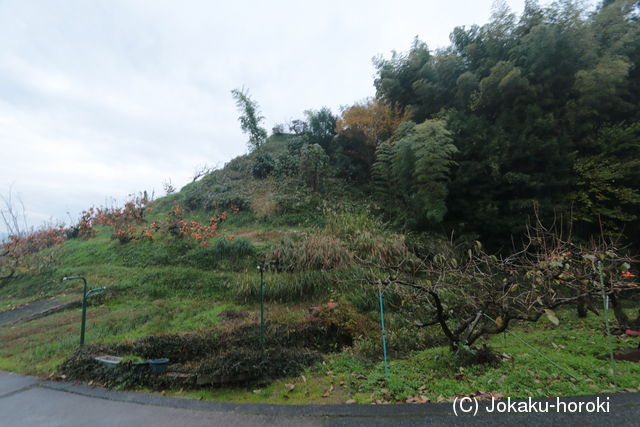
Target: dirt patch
<point x="233" y="315"/>
<point x="258" y="236"/>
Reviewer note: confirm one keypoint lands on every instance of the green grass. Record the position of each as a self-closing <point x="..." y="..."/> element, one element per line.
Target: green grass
<point x="142" y="306"/>
<point x="39" y="346"/>
<point x="169" y="286"/>
<point x="575" y="345"/>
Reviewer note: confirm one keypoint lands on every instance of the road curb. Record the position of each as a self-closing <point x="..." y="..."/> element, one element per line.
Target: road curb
<point x="316" y="410"/>
<point x="617" y="401"/>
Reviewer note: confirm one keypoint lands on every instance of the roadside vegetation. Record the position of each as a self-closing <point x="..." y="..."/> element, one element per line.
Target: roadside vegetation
<point x="486" y="200"/>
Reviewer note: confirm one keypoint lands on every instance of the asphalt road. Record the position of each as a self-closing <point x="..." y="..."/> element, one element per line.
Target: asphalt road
<point x="28" y="401"/>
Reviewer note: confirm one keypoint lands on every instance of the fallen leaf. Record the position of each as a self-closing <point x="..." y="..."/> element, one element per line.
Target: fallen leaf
<point x="551" y="315"/>
<point x="290" y="387"/>
<point x="328" y="392"/>
<point x="304" y="379"/>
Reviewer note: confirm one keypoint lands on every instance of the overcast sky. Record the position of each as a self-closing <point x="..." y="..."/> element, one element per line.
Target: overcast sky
<point x="100" y="99"/>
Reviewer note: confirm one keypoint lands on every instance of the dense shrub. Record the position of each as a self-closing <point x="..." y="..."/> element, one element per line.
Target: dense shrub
<point x="263" y="165"/>
<point x="286" y="165"/>
<point x="222" y="189"/>
<point x="241" y="165"/>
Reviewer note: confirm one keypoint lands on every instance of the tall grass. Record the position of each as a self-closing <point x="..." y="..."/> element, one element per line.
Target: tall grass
<point x="284" y="287"/>
<point x="313" y="251"/>
<point x="352" y="284"/>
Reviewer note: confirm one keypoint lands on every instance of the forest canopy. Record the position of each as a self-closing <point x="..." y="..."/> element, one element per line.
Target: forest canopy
<point x="537" y="112"/>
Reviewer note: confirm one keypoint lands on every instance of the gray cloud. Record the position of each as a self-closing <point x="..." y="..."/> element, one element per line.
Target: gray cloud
<point x="101" y="99"/>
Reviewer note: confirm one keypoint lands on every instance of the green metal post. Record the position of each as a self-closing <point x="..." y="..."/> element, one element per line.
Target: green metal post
<point x="384" y="336"/>
<point x="85" y="296"/>
<point x="605" y="301"/>
<point x="84" y="311"/>
<point x="261" y="268"/>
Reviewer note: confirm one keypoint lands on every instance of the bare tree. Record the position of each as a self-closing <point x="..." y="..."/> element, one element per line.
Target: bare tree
<point x="13" y="214"/>
<point x="470" y="293"/>
<point x="169" y="188"/>
<point x="202" y="170"/>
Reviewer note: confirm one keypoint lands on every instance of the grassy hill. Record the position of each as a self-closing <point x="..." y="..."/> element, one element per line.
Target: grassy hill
<point x="197" y="301"/>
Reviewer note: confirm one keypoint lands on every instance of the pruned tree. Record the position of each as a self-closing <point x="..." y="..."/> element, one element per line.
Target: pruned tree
<point x="470" y="293"/>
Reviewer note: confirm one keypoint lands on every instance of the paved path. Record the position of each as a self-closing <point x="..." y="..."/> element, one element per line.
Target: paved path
<point x="35" y="309"/>
<point x="28" y="401"/>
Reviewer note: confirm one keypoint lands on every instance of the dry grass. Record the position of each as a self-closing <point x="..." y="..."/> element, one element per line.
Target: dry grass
<point x="263" y="202"/>
<point x="313" y="251"/>
<point x="263" y="236"/>
<point x="389" y="250"/>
